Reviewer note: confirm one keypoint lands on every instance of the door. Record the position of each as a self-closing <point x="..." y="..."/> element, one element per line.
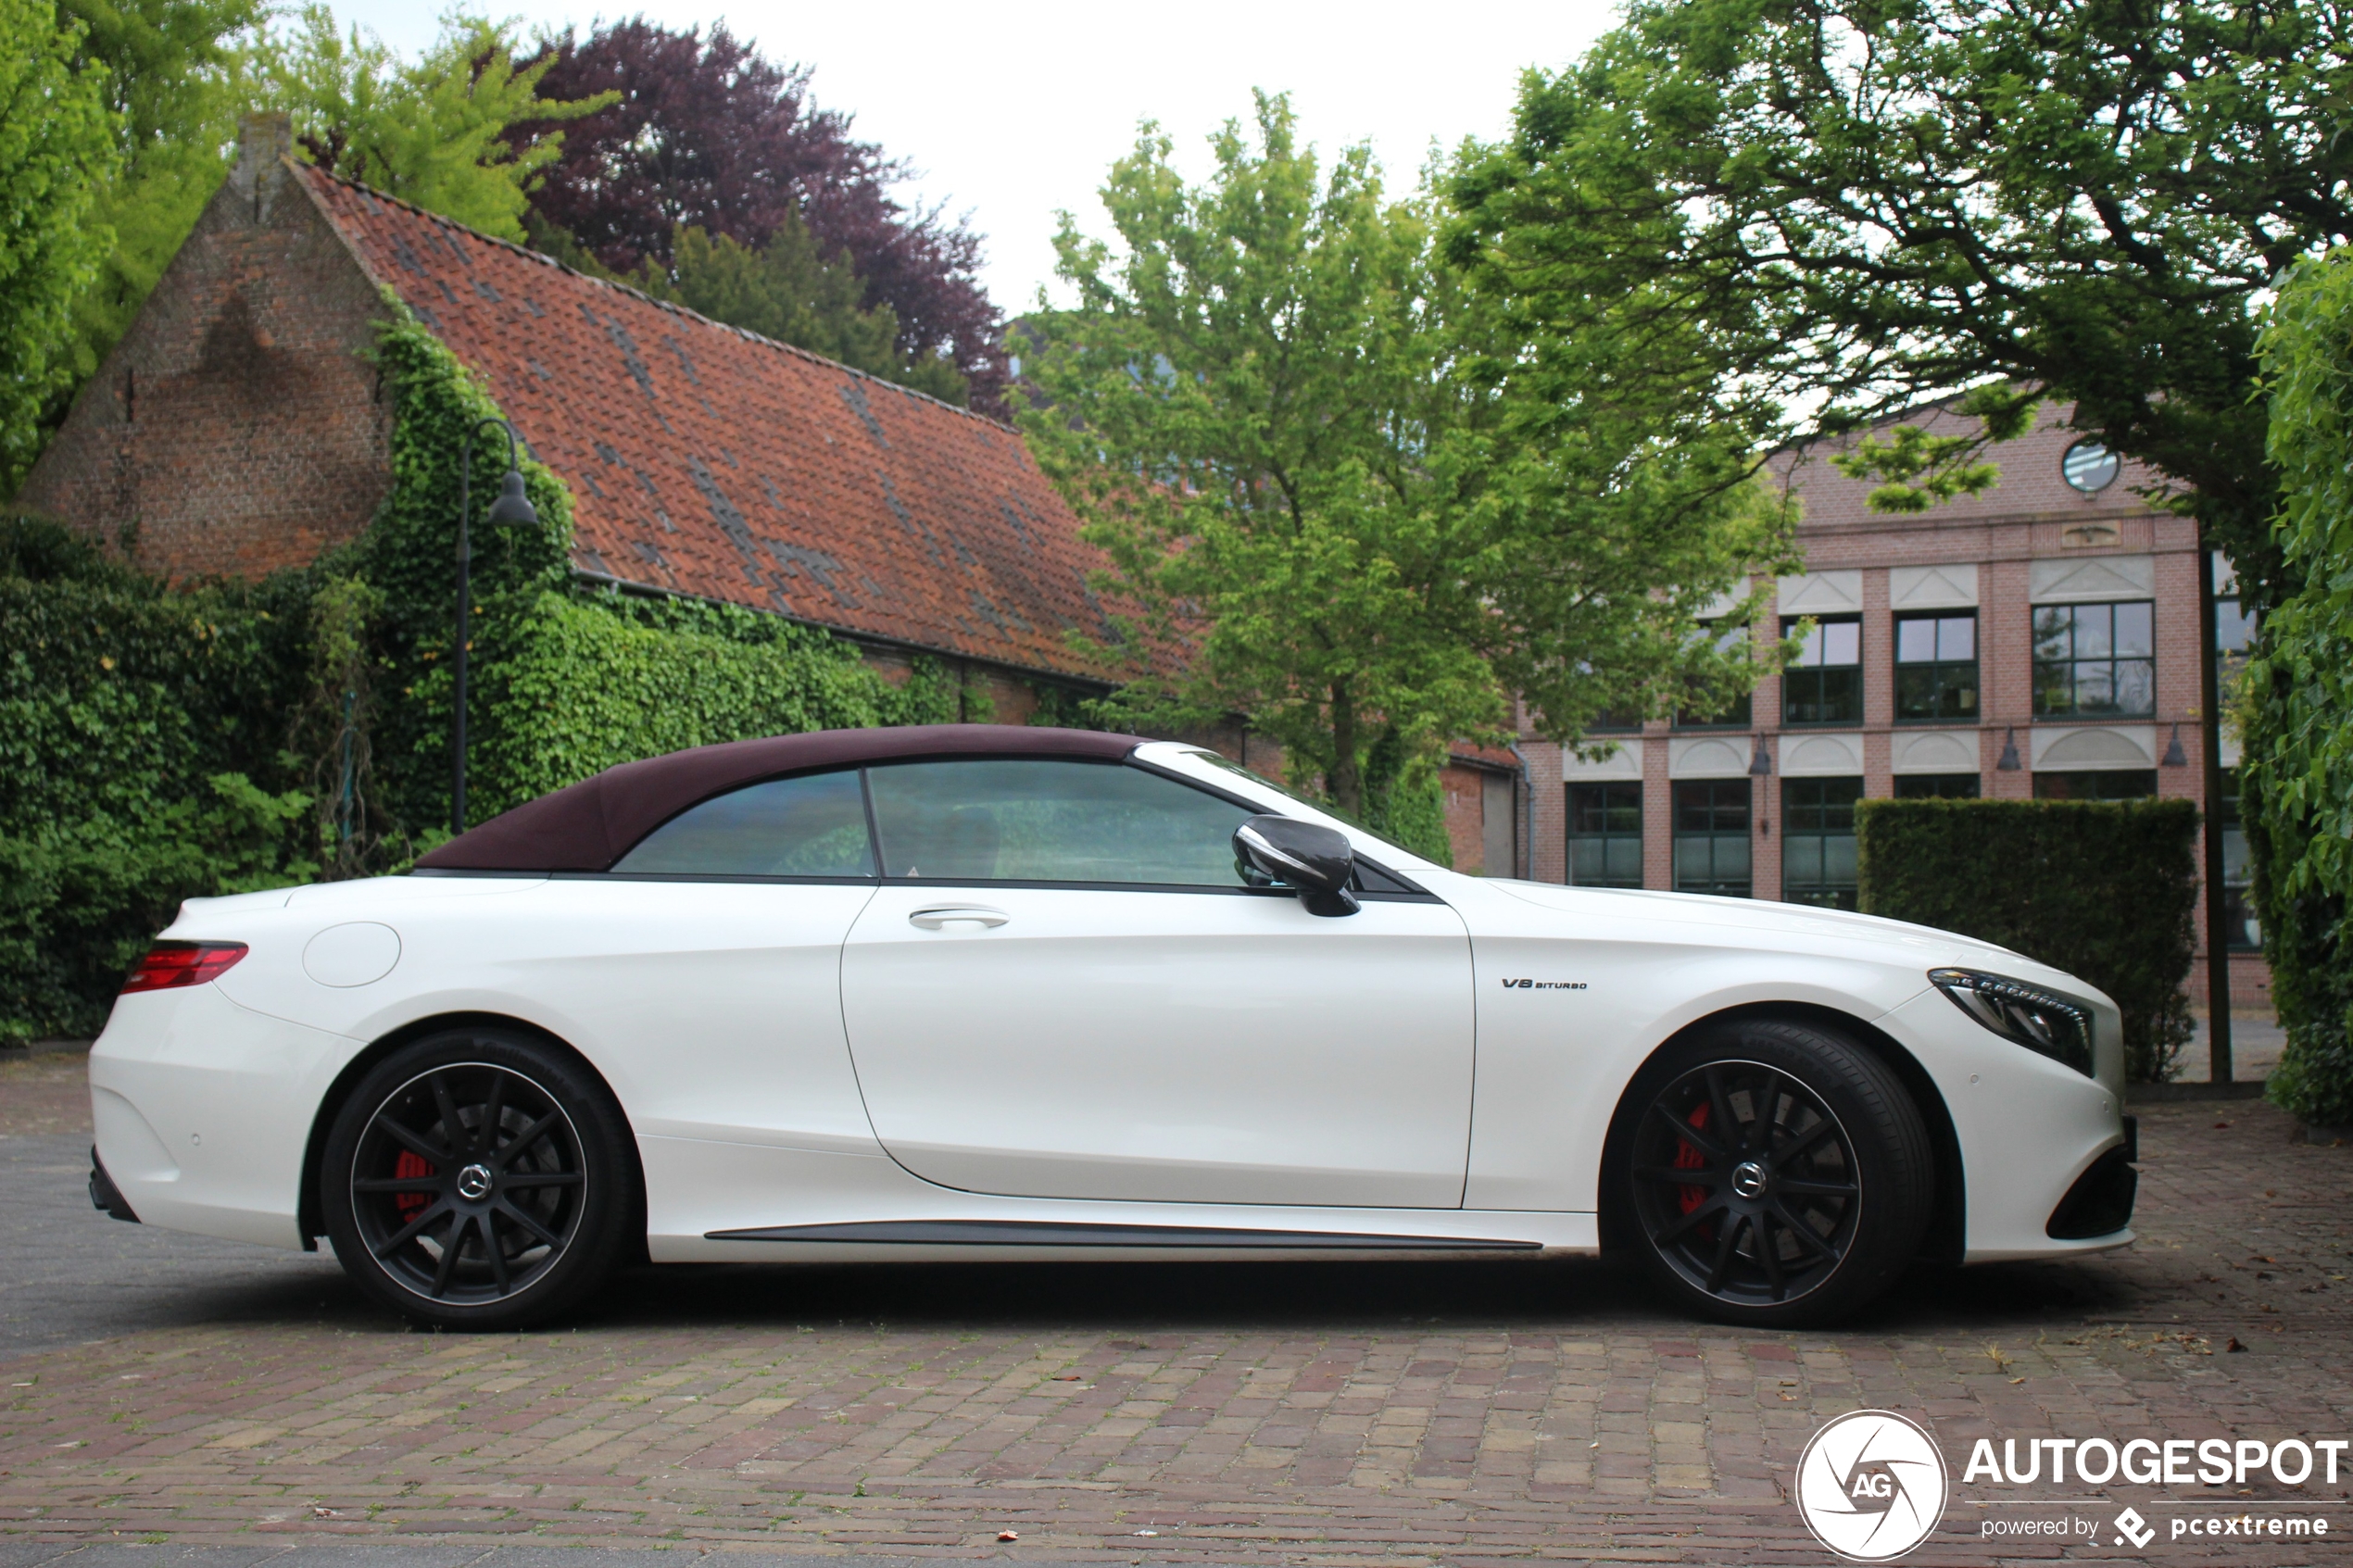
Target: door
<point x="1065" y="989"/>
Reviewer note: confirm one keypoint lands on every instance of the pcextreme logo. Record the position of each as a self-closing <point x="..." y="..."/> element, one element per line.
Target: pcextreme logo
<point x="1872" y="1486"/>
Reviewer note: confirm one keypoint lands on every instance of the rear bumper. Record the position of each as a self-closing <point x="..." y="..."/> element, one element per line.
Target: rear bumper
<point x="202" y="1112"/>
<point x="104" y="1194"/>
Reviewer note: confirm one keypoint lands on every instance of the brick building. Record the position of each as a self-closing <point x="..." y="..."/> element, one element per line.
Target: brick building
<point x="2038" y="641"/>
<point x="239" y="428"/>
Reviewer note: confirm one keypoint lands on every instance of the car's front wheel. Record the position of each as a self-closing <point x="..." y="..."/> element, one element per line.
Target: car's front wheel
<point x="477" y="1179"/>
<point x="1773" y="1173"/>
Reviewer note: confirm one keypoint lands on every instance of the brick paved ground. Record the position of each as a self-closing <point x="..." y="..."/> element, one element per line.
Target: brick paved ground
<point x="1320" y="1413"/>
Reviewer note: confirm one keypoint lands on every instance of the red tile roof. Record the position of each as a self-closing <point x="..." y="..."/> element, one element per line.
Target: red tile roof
<point x="706" y="460"/>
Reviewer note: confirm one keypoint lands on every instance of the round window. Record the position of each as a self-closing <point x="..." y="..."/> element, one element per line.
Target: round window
<point x="2090" y="467"/>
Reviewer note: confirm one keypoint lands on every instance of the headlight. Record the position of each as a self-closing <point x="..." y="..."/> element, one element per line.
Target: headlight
<point x="2037" y="1020"/>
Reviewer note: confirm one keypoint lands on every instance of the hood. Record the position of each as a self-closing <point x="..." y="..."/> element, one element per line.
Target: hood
<point x="1926" y="943"/>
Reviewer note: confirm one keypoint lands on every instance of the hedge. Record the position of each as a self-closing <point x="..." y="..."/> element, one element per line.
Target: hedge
<point x="2103" y="890"/>
<point x="143" y="760"/>
<point x="2295" y="699"/>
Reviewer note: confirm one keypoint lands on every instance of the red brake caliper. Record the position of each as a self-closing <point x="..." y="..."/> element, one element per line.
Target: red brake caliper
<point x="1687" y="1158"/>
<point x="411" y="1164"/>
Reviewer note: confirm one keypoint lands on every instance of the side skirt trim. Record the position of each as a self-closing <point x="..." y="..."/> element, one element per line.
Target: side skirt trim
<point x="1059" y="1233"/>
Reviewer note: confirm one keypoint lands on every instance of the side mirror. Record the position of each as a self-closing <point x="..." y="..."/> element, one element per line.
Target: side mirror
<point x="1314" y="860"/>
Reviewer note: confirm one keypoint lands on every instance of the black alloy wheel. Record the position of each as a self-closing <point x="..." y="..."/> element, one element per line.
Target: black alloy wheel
<point x="474" y="1180"/>
<point x="1775" y="1173"/>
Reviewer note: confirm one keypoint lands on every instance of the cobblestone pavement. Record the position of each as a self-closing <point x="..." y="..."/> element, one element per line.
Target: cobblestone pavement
<point x="1402" y="1413"/>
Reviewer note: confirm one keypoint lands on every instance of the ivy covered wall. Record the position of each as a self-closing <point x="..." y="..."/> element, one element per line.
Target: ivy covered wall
<point x="161" y="743"/>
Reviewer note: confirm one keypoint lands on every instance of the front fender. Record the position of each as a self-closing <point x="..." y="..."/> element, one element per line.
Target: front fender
<point x="1554" y="1063"/>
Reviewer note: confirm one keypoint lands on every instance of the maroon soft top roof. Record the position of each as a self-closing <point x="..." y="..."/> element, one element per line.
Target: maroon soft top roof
<point x="587" y="826"/>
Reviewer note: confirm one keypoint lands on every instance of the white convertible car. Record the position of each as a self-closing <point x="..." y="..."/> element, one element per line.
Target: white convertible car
<point x="982" y="992"/>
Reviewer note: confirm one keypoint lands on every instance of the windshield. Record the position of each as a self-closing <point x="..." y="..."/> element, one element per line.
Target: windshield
<point x="1323" y="807"/>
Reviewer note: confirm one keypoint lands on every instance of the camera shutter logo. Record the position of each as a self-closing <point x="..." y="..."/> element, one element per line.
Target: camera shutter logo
<point x="1872" y="1486"/>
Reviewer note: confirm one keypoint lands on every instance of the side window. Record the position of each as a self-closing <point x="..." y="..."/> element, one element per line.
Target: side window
<point x="1052" y="821"/>
<point x="810" y="826"/>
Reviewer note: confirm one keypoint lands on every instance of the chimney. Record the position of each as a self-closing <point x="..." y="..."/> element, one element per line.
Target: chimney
<point x="263" y="141"/>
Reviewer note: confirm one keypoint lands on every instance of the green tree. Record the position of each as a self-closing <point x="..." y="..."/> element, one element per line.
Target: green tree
<point x="431" y="132"/>
<point x="58" y="148"/>
<point x="1347" y="502"/>
<point x="2296" y="696"/>
<point x="789" y="291"/>
<point x="1239" y="408"/>
<point x="176" y="76"/>
<point x="1865" y="202"/>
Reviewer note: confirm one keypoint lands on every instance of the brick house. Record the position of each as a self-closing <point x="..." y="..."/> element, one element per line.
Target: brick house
<point x="239" y="428"/>
<point x="2038" y="641"/>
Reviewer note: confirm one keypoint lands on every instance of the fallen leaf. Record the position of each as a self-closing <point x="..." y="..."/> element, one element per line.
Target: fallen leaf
<point x="1067" y="1376"/>
<point x="2234" y="1344"/>
<point x="1008" y="1535"/>
<point x="2017" y="1380"/>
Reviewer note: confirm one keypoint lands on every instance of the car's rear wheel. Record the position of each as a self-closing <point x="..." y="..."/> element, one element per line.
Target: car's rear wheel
<point x="478" y="1179"/>
<point x="1773" y="1173"/>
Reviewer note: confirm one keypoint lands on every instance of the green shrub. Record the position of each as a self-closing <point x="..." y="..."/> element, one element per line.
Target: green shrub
<point x="134" y="723"/>
<point x="577" y="685"/>
<point x="2295" y="700"/>
<point x="2102" y="890"/>
<point x="80" y="900"/>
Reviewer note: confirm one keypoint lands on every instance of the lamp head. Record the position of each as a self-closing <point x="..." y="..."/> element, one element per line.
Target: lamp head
<point x="512" y="505"/>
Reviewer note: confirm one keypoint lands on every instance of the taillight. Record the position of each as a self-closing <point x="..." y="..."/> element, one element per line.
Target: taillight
<point x="172" y="965"/>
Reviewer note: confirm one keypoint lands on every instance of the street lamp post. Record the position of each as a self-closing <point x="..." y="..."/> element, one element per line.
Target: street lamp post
<point x="513" y="505"/>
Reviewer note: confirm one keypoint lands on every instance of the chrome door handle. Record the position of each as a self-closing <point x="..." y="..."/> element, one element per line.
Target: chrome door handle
<point x="941" y="917"/>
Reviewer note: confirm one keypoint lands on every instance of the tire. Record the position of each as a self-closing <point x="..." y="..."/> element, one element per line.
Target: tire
<point x="1795" y="1222"/>
<point x="479" y="1232"/>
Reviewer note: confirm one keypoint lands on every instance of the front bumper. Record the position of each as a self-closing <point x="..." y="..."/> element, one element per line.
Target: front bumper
<point x="2100" y="1203"/>
<point x="2030" y="1130"/>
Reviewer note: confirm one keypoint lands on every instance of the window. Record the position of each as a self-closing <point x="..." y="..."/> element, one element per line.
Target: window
<point x="2095" y="662"/>
<point x="2114" y="784"/>
<point x="2234" y="627"/>
<point x="814" y="825"/>
<point x="1052" y="821"/>
<point x="1735" y="715"/>
<point x="1711" y="836"/>
<point x="1825" y="686"/>
<point x="1937" y="786"/>
<point x="2243" y="930"/>
<point x="1936" y="668"/>
<point x="2090" y="467"/>
<point x="1606" y="835"/>
<point x="1817" y="841"/>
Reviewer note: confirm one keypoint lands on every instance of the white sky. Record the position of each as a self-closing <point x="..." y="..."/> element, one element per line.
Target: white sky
<point x="1013" y="110"/>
